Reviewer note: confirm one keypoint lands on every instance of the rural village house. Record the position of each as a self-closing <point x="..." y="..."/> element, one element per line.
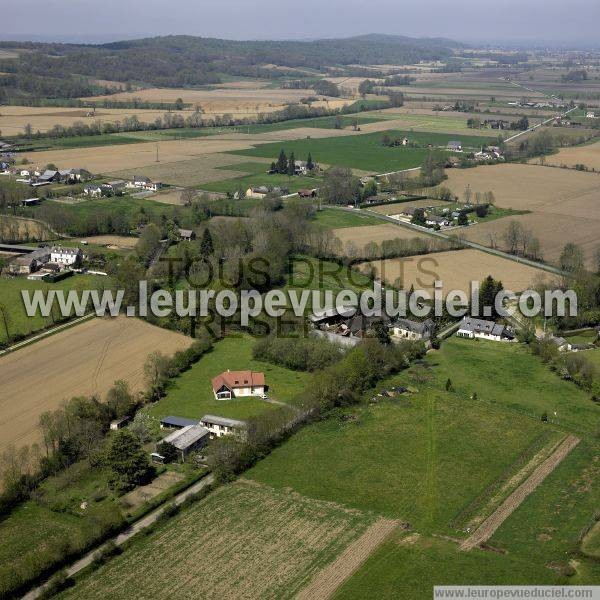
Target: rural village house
<point x="455" y="146"/>
<point x="412" y="330"/>
<point x="488" y="330"/>
<point x="238" y="384"/>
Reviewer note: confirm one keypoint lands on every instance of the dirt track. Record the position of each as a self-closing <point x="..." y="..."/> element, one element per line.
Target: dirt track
<point x="491" y="524"/>
<point x="325" y="584"/>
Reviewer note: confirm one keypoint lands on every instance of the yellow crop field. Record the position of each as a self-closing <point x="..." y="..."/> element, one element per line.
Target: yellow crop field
<point x="238" y="100"/>
<point x="564" y="204"/>
<point x="456" y="269"/>
<point x="588" y="155"/>
<point x="361" y="236"/>
<point x="79" y="361"/>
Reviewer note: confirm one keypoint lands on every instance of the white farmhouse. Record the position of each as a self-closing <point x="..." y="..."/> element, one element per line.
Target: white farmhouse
<point x="67" y="257"/>
<point x="488" y="330"/>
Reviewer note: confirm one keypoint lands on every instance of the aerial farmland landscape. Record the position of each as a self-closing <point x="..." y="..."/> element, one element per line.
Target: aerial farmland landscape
<point x="290" y="309"/>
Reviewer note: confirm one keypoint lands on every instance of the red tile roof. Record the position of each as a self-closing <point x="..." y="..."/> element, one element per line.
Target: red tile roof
<point x="238" y="379"/>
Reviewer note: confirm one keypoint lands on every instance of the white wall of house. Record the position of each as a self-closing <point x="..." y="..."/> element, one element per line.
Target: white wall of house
<point x="64" y="258"/>
<point x="478" y="334"/>
<point x="406" y="334"/>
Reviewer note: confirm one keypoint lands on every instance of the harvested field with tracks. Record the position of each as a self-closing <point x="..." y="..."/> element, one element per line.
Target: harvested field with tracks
<point x="13" y="119"/>
<point x="237" y="100"/>
<point x="79" y="361"/>
<point x="553" y="232"/>
<point x="456" y="269"/>
<point x="347" y="563"/>
<point x="118" y="242"/>
<point x="112" y="159"/>
<point x="267" y="544"/>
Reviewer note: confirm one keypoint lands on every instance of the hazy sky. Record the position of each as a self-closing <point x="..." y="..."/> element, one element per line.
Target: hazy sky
<point x="555" y="21"/>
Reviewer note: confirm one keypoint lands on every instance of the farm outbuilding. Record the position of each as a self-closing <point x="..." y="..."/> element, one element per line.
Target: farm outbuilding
<point x="171" y="422"/>
<point x="220" y="426"/>
<point x="188" y="439"/>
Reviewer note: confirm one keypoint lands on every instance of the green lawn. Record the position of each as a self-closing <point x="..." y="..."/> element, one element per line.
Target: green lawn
<point x="10" y="295"/>
<point x="421" y="459"/>
<point x="191" y="394"/>
<point x="36" y="534"/>
<point x="334" y="219"/>
<point x="583" y="337"/>
<point x="364" y="152"/>
<point x="256" y="176"/>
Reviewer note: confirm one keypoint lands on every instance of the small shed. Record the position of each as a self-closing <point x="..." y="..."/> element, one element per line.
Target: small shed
<point x="119" y="423"/>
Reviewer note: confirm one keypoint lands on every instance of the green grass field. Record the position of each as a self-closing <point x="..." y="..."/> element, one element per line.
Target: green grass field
<point x="10" y="295"/>
<point x="182" y="133"/>
<point x="36" y="534"/>
<point x="363" y="152"/>
<point x="316" y="274"/>
<point x="334" y="219"/>
<point x="242" y="541"/>
<point x="407" y="568"/>
<point x="507" y="376"/>
<point x="548" y="524"/>
<point x="256" y="176"/>
<point x="421" y="459"/>
<point x="191" y="394"/>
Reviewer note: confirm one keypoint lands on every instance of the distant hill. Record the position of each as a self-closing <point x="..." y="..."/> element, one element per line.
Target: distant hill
<point x="64" y="70"/>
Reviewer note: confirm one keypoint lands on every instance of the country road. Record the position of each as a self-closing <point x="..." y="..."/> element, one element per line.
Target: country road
<point x="133" y="530"/>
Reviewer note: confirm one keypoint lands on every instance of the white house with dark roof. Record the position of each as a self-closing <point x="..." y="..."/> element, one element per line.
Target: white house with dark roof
<point x="412" y="330"/>
<point x="488" y="330"/>
<point x="455" y="146"/>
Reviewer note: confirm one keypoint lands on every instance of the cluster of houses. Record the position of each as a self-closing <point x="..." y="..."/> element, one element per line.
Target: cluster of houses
<point x="347" y="326"/>
<point x="37" y="178"/>
<point x="116" y="187"/>
<point x="189" y="435"/>
<point x="546" y="104"/>
<point x="488" y="153"/>
<point x="301" y="167"/>
<point x="47" y="260"/>
<point x="431" y="218"/>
